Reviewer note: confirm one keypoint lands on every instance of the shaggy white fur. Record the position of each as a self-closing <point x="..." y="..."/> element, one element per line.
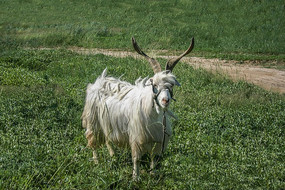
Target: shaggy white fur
<point x="117" y="112"/>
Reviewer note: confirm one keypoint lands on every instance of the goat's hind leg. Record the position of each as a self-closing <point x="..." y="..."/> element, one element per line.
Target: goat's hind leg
<point x="136" y="156"/>
<point x="110" y="148"/>
<point x="95" y="156"/>
<point x="91" y="143"/>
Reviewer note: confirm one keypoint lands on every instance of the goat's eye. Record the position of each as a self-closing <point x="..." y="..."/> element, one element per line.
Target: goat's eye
<point x="155" y="88"/>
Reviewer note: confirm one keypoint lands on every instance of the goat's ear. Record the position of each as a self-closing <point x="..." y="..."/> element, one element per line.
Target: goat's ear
<point x="149" y="82"/>
<point x="177" y="83"/>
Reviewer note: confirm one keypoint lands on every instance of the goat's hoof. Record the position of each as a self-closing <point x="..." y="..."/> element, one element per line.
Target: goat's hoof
<point x="95" y="160"/>
<point x="112" y="154"/>
<point x="153" y="172"/>
<point x="136" y="178"/>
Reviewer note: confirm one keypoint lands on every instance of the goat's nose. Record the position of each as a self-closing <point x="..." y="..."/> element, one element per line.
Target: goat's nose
<point x="165" y="100"/>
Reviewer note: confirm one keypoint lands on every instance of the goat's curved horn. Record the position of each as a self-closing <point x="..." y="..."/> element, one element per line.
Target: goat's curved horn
<point x="154" y="64"/>
<point x="172" y="62"/>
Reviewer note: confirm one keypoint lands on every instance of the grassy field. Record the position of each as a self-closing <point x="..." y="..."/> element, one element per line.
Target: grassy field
<point x="228" y="29"/>
<point x="230" y="135"/>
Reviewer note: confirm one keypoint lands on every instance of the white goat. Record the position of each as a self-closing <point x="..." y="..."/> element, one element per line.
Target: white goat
<point x="117" y="112"/>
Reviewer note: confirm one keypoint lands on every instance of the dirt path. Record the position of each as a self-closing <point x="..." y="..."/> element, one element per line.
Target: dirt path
<point x="269" y="79"/>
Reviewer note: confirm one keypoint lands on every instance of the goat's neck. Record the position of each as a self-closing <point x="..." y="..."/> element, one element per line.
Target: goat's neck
<point x="158" y="112"/>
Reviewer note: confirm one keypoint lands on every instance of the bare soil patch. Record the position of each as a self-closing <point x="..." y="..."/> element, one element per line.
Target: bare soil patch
<point x="267" y="78"/>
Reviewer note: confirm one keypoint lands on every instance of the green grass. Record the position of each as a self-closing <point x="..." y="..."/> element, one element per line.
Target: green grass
<point x="228" y="136"/>
<point x="241" y="27"/>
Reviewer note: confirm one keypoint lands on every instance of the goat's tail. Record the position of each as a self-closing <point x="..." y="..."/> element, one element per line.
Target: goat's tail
<point x="90" y="122"/>
<point x="104" y="73"/>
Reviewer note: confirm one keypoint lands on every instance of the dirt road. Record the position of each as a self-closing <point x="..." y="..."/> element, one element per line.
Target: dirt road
<point x="269" y="79"/>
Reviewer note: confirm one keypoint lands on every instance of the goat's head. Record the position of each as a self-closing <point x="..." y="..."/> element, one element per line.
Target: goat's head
<point x="163" y="81"/>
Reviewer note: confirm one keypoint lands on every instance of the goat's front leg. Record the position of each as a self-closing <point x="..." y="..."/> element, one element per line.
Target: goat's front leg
<point x="154" y="163"/>
<point x="136" y="156"/>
